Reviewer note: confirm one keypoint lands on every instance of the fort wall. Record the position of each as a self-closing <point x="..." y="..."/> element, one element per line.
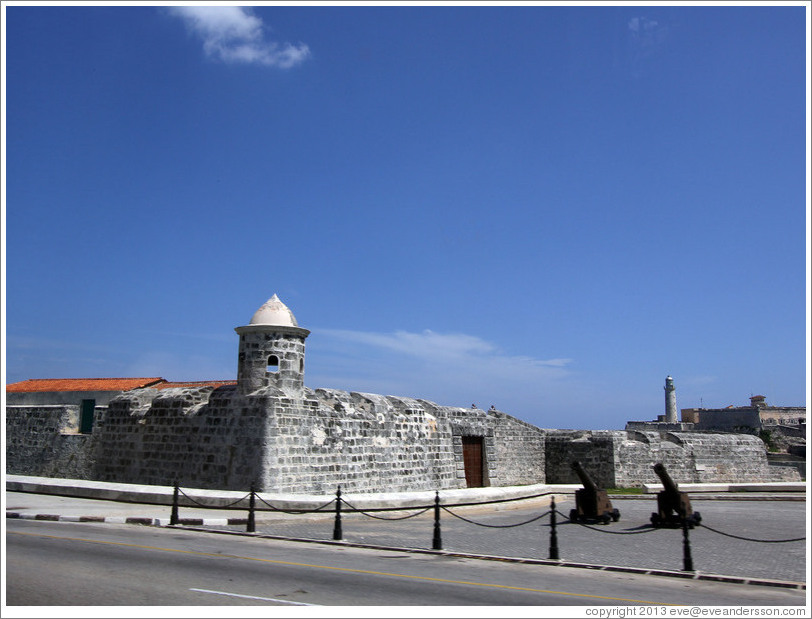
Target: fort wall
<point x="202" y="437"/>
<point x="44" y="440"/>
<point x="219" y="438"/>
<point x="617" y="459"/>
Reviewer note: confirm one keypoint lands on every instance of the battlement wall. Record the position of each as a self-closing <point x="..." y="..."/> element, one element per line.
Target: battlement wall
<point x="594" y="449"/>
<point x="373" y="443"/>
<point x="221" y="439"/>
<point x="364" y="442"/>
<point x="202" y="437"/>
<point x="218" y="438"/>
<point x="616" y="459"/>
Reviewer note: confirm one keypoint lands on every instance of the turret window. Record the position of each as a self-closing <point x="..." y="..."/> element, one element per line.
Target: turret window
<point x="273" y="364"/>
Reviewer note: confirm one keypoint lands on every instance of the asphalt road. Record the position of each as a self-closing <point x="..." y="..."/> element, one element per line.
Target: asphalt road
<point x="62" y="563"/>
<point x="631" y="542"/>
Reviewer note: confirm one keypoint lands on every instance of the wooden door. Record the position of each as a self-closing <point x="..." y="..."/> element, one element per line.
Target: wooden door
<point x="472" y="460"/>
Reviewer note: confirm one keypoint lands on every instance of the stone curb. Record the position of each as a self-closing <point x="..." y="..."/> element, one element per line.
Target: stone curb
<point x="778" y="486"/>
<point x="699" y="496"/>
<point x="145" y="520"/>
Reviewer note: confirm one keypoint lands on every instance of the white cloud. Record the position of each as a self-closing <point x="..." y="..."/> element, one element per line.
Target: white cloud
<point x="637" y="24"/>
<point x="426" y="344"/>
<point x="438" y="347"/>
<point x="445" y="368"/>
<point x="235" y="34"/>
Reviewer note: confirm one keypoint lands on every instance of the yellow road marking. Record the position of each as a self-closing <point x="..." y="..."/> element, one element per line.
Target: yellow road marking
<point x="340" y="569"/>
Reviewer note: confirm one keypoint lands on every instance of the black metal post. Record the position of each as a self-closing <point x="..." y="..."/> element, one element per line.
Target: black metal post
<point x="251" y="528"/>
<point x="553" y="535"/>
<point x="173" y="519"/>
<point x="687" y="561"/>
<point x="337" y="534"/>
<point x="437" y="544"/>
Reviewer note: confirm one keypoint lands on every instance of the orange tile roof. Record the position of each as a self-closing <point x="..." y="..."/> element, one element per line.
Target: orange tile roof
<point x="81" y="384"/>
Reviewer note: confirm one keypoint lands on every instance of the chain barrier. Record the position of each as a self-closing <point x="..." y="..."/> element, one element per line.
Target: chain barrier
<point x="228" y="506"/>
<point x="751" y="539"/>
<point x="599" y="530"/>
<point x="296" y="511"/>
<point x="475" y="504"/>
<point x="437" y="538"/>
<point x="355" y="510"/>
<point x="494" y="526"/>
<point x="520" y="498"/>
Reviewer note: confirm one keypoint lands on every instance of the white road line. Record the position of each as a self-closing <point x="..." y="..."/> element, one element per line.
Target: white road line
<point x="253" y="597"/>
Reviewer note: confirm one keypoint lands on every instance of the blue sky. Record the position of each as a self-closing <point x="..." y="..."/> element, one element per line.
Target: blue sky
<point x="544" y="208"/>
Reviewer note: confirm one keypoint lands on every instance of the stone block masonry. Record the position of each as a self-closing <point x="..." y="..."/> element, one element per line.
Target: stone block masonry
<point x="44" y="440"/>
<point x="218" y="438"/>
<point x="364" y="442"/>
<point x="205" y="437"/>
<point x="620" y="459"/>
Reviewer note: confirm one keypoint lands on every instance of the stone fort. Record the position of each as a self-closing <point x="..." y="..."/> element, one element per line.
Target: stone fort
<point x="269" y="430"/>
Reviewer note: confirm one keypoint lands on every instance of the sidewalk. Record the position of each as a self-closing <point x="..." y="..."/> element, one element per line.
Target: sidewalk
<point x="76" y="500"/>
<point x="45" y="498"/>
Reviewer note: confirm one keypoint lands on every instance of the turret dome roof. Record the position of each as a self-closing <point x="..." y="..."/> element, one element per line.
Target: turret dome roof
<point x="274" y="312"/>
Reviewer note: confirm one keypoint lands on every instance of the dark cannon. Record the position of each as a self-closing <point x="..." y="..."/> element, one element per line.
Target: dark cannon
<point x="673" y="506"/>
<point x="591" y="503"/>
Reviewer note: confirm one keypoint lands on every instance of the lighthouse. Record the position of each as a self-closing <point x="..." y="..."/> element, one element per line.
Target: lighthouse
<point x="670" y="401"/>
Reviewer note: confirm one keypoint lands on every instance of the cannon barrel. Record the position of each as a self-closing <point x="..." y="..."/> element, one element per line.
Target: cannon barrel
<point x="673" y="507"/>
<point x="668" y="483"/>
<point x="591" y="503"/>
<point x="586" y="480"/>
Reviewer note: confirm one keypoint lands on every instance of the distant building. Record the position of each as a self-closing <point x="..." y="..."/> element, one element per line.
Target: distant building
<point x="787" y="421"/>
<point x="758" y="416"/>
<point x="782" y="428"/>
